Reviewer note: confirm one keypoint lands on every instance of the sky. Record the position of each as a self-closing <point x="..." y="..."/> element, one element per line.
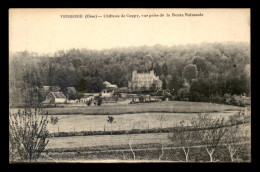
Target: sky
<point x="44" y="31"/>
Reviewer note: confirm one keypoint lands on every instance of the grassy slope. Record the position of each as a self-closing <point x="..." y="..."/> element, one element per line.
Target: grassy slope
<point x="170" y="106"/>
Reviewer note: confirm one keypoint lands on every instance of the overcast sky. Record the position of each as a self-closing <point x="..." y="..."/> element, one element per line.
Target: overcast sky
<point x="44" y="31"/>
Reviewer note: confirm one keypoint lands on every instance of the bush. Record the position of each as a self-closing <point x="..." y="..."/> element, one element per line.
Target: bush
<point x="228" y="99"/>
<point x="99" y="101"/>
<point x="236" y="100"/>
<point x="182" y="94"/>
<point x="141" y="99"/>
<point x="89" y="102"/>
<point x="217" y="99"/>
<point x="240" y="100"/>
<point x="195" y="96"/>
<point x="27" y="135"/>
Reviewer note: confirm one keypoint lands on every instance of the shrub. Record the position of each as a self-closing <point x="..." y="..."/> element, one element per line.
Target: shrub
<point x="141" y="99"/>
<point x="99" y="101"/>
<point x="27" y="135"/>
<point x="195" y="96"/>
<point x="228" y="99"/>
<point x="182" y="94"/>
<point x="240" y="100"/>
<point x="218" y="99"/>
<point x="89" y="102"/>
<point x="236" y="100"/>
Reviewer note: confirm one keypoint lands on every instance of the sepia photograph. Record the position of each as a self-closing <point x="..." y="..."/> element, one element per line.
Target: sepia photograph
<point x="129" y="85"/>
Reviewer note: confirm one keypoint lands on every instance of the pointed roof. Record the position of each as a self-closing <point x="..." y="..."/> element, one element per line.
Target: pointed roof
<point x="58" y="95"/>
<point x="109" y="85"/>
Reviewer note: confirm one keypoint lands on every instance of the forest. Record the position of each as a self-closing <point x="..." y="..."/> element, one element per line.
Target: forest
<point x="197" y="72"/>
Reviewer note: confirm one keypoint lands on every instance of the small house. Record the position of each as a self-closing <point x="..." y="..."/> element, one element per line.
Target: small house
<point x="45" y="90"/>
<point x="55" y="97"/>
<point x="109" y="89"/>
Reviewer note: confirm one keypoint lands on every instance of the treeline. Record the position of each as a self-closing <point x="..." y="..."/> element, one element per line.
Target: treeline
<point x="196" y="72"/>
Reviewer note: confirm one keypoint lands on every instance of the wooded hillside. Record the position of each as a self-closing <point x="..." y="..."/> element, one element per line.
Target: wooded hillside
<point x="205" y="70"/>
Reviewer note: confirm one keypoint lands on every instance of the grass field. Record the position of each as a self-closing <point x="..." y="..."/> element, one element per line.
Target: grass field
<point x="122" y="122"/>
<point x="145" y="146"/>
<point x="151" y="154"/>
<point x="108" y="140"/>
<point x="167" y="107"/>
<point x="128" y="117"/>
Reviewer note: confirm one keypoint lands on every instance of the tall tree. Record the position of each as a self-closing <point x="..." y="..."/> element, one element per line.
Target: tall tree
<point x="190" y="72"/>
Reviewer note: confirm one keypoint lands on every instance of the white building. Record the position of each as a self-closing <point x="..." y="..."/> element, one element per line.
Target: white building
<point x="55" y="97"/>
<point x="144" y="80"/>
<point x="109" y="90"/>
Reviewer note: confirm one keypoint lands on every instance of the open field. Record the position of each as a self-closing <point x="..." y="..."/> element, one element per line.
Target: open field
<point x="67" y="123"/>
<point x="145" y="146"/>
<point x="149" y="154"/>
<point x="108" y="140"/>
<point x="165" y="106"/>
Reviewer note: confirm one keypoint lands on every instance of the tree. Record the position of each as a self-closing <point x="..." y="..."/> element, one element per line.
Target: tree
<point x="99" y="100"/>
<point x="190" y="72"/>
<point x="165" y="69"/>
<point x="183" y="93"/>
<point x="184" y="137"/>
<point x="155" y="86"/>
<point x="54" y="121"/>
<point x="164" y="85"/>
<point x="110" y="120"/>
<point x="209" y="131"/>
<point x="201" y="63"/>
<point x="157" y="69"/>
<point x="236" y="135"/>
<point x="27" y="134"/>
<point x="161" y="118"/>
<point x="89" y="102"/>
<point x="130" y="138"/>
<point x="96" y="85"/>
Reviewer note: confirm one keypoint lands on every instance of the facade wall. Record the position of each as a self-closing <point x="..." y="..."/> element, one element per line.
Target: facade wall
<point x="143" y="80"/>
<point x="60" y="100"/>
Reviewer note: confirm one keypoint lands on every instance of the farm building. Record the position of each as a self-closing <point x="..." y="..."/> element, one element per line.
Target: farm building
<point x="144" y="81"/>
<point x="88" y="96"/>
<point x="108" y="91"/>
<point x="109" y="85"/>
<point x="45" y="90"/>
<point x="55" y="97"/>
